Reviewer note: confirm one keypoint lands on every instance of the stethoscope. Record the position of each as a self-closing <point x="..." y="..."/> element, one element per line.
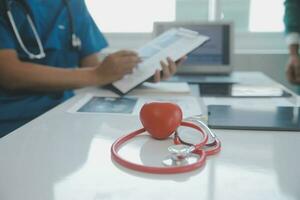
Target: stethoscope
<point x="75" y="40"/>
<point x="184" y="156"/>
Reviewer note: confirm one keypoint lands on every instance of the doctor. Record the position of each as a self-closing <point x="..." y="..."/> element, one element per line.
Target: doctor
<point x="46" y="55"/>
<point x="292" y="30"/>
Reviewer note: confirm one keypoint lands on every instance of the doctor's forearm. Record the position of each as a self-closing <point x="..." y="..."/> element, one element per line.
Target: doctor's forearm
<point x="18" y="75"/>
<point x="90" y="60"/>
<point x="28" y="76"/>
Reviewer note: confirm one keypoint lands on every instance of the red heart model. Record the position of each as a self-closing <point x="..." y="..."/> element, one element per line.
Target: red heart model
<point x="160" y="119"/>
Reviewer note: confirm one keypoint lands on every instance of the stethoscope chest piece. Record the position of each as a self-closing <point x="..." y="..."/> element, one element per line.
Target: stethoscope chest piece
<point x="180" y="155"/>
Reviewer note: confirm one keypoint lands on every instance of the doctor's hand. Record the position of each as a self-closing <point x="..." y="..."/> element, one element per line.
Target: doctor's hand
<point x="293" y="69"/>
<point x="168" y="69"/>
<point x="115" y="66"/>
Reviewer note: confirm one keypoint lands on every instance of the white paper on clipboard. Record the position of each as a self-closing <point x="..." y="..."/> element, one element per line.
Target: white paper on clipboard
<point x="174" y="43"/>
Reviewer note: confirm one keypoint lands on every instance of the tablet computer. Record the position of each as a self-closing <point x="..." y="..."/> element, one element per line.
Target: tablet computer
<point x="249" y="118"/>
<point x="240" y="90"/>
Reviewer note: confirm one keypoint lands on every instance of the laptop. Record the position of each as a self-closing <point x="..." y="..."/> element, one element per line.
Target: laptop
<point x="213" y="61"/>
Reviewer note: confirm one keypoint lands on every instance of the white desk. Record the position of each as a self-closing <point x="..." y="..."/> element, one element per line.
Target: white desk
<point x="62" y="156"/>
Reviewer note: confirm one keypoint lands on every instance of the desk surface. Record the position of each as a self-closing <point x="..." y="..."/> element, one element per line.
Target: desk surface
<point x="62" y="156"/>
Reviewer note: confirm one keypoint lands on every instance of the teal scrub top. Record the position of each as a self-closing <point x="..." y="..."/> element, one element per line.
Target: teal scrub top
<point x="53" y="26"/>
<point x="292" y="16"/>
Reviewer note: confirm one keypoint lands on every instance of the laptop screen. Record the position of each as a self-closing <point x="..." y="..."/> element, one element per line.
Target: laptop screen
<point x="213" y="52"/>
<point x="212" y="57"/>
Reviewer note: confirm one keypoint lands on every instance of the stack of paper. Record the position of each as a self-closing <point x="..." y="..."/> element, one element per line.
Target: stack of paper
<point x="161" y="88"/>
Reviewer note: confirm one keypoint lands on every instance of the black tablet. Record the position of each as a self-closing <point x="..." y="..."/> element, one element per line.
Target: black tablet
<point x="249" y="118"/>
<point x="240" y="90"/>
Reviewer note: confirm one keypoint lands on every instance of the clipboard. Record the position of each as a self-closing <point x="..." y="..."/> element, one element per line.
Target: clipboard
<point x="174" y="43"/>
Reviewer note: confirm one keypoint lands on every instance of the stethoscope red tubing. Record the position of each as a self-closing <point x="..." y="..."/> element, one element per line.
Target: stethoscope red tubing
<point x="164" y="170"/>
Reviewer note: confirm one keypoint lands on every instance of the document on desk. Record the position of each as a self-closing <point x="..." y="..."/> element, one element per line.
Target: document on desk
<point x="174" y="43"/>
<point x="91" y="104"/>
